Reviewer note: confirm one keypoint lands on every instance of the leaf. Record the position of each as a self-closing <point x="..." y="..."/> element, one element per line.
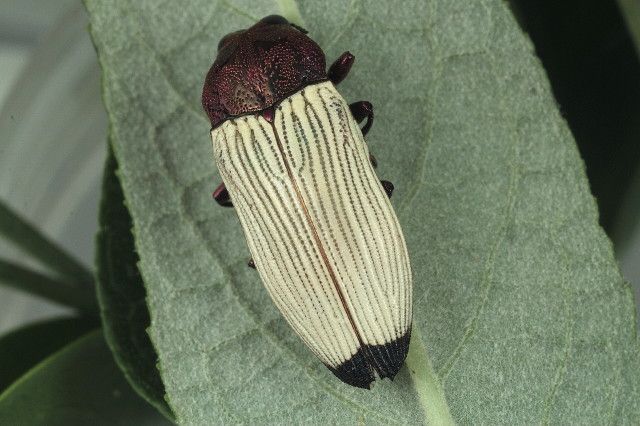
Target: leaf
<point x="78" y="385"/>
<point x="81" y="297"/>
<point x="631" y="12"/>
<point x="25" y="235"/>
<point x="21" y="349"/>
<point x="122" y="296"/>
<point x="520" y="311"/>
<point x="71" y="284"/>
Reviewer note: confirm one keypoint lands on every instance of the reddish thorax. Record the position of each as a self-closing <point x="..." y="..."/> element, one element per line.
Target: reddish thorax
<point x="257" y="68"/>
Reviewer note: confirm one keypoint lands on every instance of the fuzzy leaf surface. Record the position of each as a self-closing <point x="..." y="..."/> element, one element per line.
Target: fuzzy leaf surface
<point x="519" y="305"/>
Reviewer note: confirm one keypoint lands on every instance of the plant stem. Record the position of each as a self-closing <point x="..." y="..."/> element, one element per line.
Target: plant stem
<point x="289" y="9"/>
<point x="33" y="242"/>
<point x="428" y="387"/>
<point x="82" y="298"/>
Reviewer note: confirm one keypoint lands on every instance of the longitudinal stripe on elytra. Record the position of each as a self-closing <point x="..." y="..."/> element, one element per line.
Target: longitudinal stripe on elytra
<point x="307" y="146"/>
<point x="353" y="178"/>
<point x="347" y="205"/>
<point x="348" y="176"/>
<point x="318" y="241"/>
<point x="380" y="201"/>
<point x="338" y="278"/>
<point x="368" y="197"/>
<point x="292" y="199"/>
<point x="341" y="281"/>
<point x="390" y="334"/>
<point x="369" y="193"/>
<point x="268" y="206"/>
<point x="256" y="191"/>
<point x="279" y="213"/>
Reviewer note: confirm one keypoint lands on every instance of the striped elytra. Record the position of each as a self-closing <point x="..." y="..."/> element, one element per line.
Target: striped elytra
<point x="321" y="230"/>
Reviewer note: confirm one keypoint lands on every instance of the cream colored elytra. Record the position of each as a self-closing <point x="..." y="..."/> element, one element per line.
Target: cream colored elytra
<point x="320" y="228"/>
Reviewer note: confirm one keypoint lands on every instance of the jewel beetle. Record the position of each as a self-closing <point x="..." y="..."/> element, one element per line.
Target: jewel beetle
<point x="321" y="230"/>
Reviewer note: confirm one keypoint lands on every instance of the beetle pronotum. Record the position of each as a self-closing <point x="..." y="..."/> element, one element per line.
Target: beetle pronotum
<point x="321" y="231"/>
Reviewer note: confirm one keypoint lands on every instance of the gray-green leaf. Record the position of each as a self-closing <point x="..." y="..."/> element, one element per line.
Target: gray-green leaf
<point x="519" y="305"/>
<point x="122" y="296"/>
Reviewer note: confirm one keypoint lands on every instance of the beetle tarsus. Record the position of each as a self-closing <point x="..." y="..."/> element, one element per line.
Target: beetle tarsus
<point x="361" y="110"/>
<point x="373" y="161"/>
<point x="388" y="187"/>
<point x="340" y="68"/>
<point x="251" y="264"/>
<point x="221" y="195"/>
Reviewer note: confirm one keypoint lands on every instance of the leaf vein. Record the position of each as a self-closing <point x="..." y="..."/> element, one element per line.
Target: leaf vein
<point x="487" y="281"/>
<point x="562" y="368"/>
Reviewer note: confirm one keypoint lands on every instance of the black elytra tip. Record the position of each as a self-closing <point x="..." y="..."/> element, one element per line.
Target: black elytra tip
<point x="371" y="361"/>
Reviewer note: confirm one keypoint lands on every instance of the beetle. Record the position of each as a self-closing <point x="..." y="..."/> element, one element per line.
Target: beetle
<point x="321" y="230"/>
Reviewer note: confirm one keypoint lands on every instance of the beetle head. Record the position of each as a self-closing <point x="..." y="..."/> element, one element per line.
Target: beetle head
<point x="258" y="67"/>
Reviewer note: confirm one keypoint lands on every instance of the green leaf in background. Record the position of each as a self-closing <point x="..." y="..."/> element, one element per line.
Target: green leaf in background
<point x="626" y="229"/>
<point x="35" y="244"/>
<point x="66" y="281"/>
<point x="23" y="348"/>
<point x="630" y="10"/>
<point x="122" y="296"/>
<point x="520" y="309"/>
<point x="79" y="385"/>
<point x="81" y="297"/>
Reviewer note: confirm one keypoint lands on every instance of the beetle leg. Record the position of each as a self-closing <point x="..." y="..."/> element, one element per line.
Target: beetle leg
<point x="340" y="68"/>
<point x="251" y="264"/>
<point x="373" y="161"/>
<point x="221" y="195"/>
<point x="388" y="187"/>
<point x="361" y="110"/>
